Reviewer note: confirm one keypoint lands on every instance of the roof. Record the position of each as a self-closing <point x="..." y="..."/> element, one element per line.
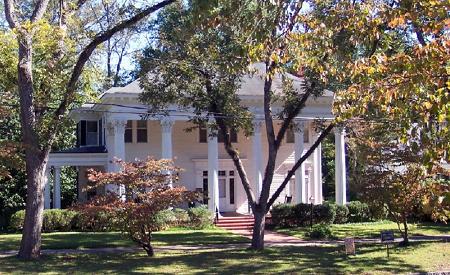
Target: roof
<point x="252" y="84"/>
<point x="83" y="150"/>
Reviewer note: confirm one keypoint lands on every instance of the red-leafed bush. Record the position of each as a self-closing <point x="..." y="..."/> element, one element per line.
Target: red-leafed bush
<point x="147" y="187"/>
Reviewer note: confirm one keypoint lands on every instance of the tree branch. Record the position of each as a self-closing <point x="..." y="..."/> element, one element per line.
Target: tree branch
<point x="39" y="10"/>
<point x="298" y="164"/>
<point x="10" y="14"/>
<point x="88" y="50"/>
<point x="287" y="121"/>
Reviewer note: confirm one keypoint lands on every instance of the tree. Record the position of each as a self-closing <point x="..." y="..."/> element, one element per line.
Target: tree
<point x="201" y="67"/>
<point x="65" y="61"/>
<point x="395" y="178"/>
<point x="148" y="191"/>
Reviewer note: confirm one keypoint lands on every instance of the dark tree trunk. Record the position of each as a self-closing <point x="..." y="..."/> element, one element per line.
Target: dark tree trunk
<point x="258" y="229"/>
<point x="30" y="246"/>
<point x="35" y="159"/>
<point x="149" y="249"/>
<point x="405" y="241"/>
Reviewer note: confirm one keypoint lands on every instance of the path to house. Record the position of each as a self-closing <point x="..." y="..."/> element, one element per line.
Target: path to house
<point x="272" y="239"/>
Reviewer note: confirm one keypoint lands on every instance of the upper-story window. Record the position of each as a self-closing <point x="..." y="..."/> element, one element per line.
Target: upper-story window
<point x="89" y="133"/>
<point x="203" y="136"/>
<point x="290" y="136"/>
<point x="129" y="132"/>
<point x="141" y="131"/>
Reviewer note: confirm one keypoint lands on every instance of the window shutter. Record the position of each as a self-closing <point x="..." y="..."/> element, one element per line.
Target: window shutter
<point x="83" y="133"/>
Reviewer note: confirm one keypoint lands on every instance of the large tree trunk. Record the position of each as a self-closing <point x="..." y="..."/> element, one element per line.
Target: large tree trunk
<point x="258" y="229"/>
<point x="30" y="246"/>
<point x="36" y="160"/>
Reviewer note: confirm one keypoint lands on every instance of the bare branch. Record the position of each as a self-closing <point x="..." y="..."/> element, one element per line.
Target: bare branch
<point x="287" y="121"/>
<point x="89" y="49"/>
<point x="10" y="13"/>
<point x="39" y="10"/>
<point x="299" y="163"/>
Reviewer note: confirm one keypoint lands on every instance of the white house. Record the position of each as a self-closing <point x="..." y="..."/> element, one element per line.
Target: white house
<point x="114" y="128"/>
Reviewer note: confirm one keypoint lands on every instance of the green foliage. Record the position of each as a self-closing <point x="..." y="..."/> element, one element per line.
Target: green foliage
<point x="302" y="214"/>
<point x="324" y="213"/>
<point x="196" y="63"/>
<point x="358" y="212"/>
<point x="181" y="216"/>
<point x="283" y="215"/>
<point x="96" y="221"/>
<point x="164" y="219"/>
<point x="288" y="215"/>
<point x="54" y="220"/>
<point x="200" y="217"/>
<point x="320" y="231"/>
<point x="342" y="214"/>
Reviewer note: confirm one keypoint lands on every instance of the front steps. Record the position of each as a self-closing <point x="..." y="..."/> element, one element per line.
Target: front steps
<point x="236" y="223"/>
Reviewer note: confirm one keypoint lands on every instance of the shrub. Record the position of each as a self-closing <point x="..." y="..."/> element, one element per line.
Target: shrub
<point x="53" y="220"/>
<point x="283" y="215"/>
<point x="181" y="216"/>
<point x="58" y="220"/>
<point x="164" y="219"/>
<point x="320" y="231"/>
<point x="358" y="212"/>
<point x="200" y="217"/>
<point x="95" y="221"/>
<point x="341" y="214"/>
<point x="302" y="214"/>
<point x="324" y="213"/>
<point x="17" y="219"/>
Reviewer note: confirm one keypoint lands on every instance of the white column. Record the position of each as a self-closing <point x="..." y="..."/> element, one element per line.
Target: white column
<point x="257" y="157"/>
<point x="166" y="139"/>
<point x="213" y="167"/>
<point x="47" y="188"/>
<point x="116" y="150"/>
<point x="340" y="166"/>
<point x="317" y="170"/>
<point x="57" y="188"/>
<point x="299" y="146"/>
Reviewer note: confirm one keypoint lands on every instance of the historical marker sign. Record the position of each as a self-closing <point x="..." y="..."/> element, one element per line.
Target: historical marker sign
<point x="387" y="236"/>
<point x="350" y="246"/>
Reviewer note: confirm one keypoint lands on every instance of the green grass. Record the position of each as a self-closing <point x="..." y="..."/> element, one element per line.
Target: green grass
<point x="328" y="259"/>
<point x="372" y="229"/>
<point x="74" y="240"/>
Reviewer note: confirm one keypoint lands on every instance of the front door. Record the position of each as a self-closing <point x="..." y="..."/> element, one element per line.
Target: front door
<point x="226" y="190"/>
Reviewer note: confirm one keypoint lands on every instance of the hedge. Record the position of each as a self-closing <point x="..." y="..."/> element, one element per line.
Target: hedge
<point x="288" y="215"/>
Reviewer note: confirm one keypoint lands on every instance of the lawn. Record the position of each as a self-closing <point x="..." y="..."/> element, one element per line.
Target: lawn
<point x="74" y="240"/>
<point x="372" y="229"/>
<point x="322" y="259"/>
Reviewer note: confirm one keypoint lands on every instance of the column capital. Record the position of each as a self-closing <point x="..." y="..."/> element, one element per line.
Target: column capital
<point x="299" y="125"/>
<point x="166" y="124"/>
<point x="339" y="130"/>
<point x="257" y="124"/>
<point x="116" y="126"/>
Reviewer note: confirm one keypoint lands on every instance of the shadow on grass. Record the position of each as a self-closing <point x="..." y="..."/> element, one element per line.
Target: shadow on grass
<point x="224" y="261"/>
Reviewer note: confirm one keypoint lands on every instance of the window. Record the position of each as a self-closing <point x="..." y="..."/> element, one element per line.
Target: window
<point x="222" y="188"/>
<point x="142" y="131"/>
<point x="231" y="190"/>
<point x="88" y="133"/>
<point x="203" y="136"/>
<point x="91" y="133"/>
<point x="290" y="136"/>
<point x="129" y="132"/>
<point x="233" y="136"/>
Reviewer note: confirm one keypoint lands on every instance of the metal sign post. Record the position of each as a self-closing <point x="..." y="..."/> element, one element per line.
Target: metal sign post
<point x="387" y="237"/>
